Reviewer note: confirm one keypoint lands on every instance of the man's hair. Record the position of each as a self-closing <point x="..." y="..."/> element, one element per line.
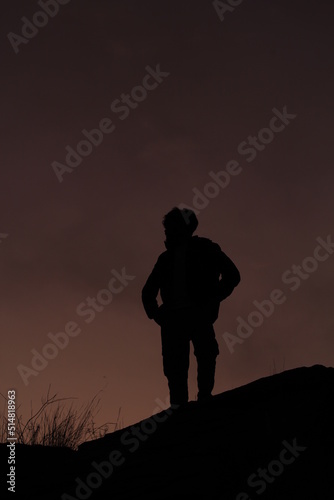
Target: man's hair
<point x="183" y="220"/>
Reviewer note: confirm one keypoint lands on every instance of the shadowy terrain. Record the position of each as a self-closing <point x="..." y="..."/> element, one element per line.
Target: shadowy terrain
<point x="270" y="439"/>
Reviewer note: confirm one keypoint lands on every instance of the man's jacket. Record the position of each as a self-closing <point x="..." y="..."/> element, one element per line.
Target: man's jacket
<point x="210" y="277"/>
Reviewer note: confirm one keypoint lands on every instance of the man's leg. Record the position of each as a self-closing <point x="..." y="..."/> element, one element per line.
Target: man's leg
<point x="175" y="354"/>
<point x="206" y="350"/>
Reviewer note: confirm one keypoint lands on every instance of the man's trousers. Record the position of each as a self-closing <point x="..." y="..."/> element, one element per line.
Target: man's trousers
<point x="179" y="328"/>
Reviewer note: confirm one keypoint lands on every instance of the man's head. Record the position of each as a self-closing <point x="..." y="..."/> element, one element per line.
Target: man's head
<point x="179" y="224"/>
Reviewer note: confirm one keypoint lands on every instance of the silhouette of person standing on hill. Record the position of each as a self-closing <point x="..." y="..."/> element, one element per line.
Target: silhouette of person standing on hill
<point x="193" y="276"/>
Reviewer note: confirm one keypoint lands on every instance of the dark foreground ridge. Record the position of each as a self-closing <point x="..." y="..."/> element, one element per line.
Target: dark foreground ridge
<point x="270" y="439"/>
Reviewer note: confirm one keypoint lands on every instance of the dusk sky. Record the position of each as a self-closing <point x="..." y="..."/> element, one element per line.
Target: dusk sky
<point x="205" y="91"/>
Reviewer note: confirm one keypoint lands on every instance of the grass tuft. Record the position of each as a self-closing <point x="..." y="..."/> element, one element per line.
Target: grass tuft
<point x="58" y="422"/>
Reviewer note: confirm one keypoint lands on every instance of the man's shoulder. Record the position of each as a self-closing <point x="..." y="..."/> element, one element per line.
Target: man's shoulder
<point x="204" y="244"/>
<point x="163" y="257"/>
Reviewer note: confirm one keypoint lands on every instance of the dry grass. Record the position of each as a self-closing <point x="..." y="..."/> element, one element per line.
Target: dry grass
<point x="58" y="422"/>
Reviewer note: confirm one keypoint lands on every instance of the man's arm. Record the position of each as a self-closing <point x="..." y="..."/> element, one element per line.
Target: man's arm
<point x="230" y="276"/>
<point x="150" y="292"/>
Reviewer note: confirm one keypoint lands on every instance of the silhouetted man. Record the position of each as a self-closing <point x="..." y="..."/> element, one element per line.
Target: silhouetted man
<point x="193" y="276"/>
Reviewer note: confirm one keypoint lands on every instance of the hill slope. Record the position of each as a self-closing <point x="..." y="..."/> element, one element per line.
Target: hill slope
<point x="272" y="438"/>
